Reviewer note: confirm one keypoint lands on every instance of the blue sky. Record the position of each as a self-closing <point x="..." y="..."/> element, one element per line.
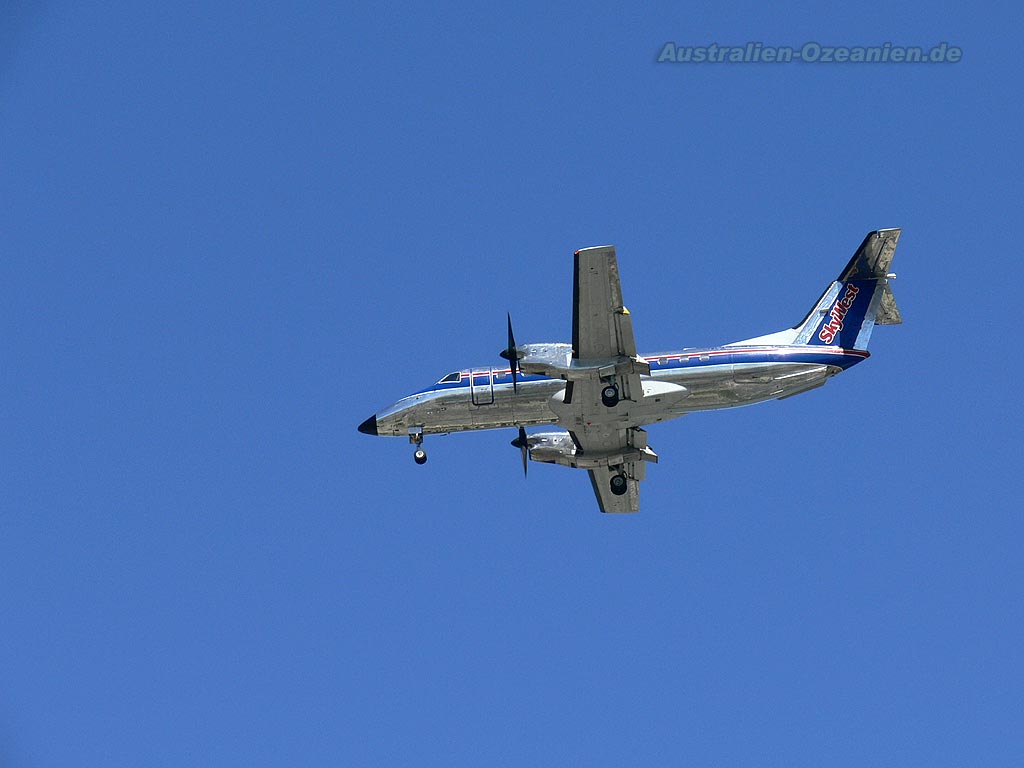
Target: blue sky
<point x="230" y="232"/>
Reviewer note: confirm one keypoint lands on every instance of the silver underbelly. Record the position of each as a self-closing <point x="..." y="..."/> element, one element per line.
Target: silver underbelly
<point x="709" y="388"/>
<point x="730" y="386"/>
<point x="454" y="410"/>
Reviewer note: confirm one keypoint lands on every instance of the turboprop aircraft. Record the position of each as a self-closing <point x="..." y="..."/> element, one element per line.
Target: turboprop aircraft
<point x="600" y="392"/>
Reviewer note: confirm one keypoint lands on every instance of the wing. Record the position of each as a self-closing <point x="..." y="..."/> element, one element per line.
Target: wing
<point x="616" y="451"/>
<point x="601" y="326"/>
<point x="602" y="329"/>
<point x="603" y="344"/>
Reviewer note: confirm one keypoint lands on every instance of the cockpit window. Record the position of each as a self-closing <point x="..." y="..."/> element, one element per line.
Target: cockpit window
<point x="451" y="377"/>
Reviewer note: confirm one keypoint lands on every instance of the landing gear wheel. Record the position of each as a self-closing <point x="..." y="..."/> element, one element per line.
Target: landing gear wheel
<point x="420" y="456"/>
<point x="610" y="396"/>
<point x="619" y="484"/>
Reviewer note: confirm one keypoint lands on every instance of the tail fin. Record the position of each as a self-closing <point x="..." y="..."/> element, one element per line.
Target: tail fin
<point x="858" y="300"/>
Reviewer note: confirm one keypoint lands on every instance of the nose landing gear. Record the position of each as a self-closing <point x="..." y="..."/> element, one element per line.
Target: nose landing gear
<point x="416" y="438"/>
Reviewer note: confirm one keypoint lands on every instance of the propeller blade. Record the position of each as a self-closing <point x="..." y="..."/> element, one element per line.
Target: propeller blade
<point x="524" y="448"/>
<point x="509" y="354"/>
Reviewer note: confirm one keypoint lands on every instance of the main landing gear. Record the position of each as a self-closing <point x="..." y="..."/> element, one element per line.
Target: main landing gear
<point x="610" y="395"/>
<point x="619" y="484"/>
<point x="416" y="438"/>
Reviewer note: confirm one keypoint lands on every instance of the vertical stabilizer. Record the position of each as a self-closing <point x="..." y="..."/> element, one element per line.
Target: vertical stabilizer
<point x="858" y="300"/>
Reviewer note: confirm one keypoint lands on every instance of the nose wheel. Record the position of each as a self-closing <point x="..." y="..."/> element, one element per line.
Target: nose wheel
<point x="419" y="456"/>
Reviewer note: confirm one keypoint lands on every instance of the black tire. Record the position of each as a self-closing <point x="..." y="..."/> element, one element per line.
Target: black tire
<point x="610" y="396"/>
<point x="420" y="456"/>
<point x="619" y="484"/>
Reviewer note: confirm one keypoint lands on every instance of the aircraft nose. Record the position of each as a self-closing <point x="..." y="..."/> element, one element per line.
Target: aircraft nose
<point x="369" y="427"/>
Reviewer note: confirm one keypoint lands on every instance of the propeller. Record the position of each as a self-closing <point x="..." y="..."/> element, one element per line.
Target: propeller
<point x="524" y="448"/>
<point x="510" y="354"/>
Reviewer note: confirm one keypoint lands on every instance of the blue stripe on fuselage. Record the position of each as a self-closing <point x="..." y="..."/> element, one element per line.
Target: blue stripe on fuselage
<point x="697" y="358"/>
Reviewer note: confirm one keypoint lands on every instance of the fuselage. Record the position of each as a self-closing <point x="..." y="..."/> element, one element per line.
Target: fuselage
<point x="680" y="382"/>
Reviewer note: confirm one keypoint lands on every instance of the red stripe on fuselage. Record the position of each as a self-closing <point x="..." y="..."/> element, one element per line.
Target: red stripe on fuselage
<point x="728" y="351"/>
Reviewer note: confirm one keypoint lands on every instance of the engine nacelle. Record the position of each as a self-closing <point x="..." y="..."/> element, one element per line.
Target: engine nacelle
<point x="555" y="360"/>
<point x="559" y="448"/>
<point x="552" y="448"/>
<point x="544" y="359"/>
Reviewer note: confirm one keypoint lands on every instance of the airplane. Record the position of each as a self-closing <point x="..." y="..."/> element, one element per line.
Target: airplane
<point x="600" y="393"/>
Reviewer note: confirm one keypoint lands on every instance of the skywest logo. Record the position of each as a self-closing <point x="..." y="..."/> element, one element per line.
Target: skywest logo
<point x="831" y="329"/>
